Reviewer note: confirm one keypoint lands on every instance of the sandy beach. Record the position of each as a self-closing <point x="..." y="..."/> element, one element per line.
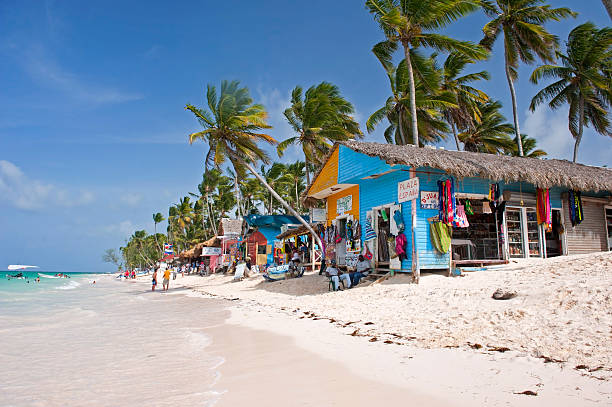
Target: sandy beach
<point x="445" y="338"/>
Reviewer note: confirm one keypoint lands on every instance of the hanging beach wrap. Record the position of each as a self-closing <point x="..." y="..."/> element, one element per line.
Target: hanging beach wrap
<point x="400" y="246"/>
<point x="468" y="207"/>
<point x="575" y="207"/>
<point x="461" y="220"/>
<point x="440" y="236"/>
<point x="543" y="212"/>
<point x="441" y="211"/>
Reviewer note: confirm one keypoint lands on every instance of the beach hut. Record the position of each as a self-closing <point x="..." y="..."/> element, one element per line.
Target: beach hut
<point x="261" y="235"/>
<point x="374" y="193"/>
<point x="299" y="239"/>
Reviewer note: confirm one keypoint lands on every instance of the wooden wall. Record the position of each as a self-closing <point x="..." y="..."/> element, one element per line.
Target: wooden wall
<point x="590" y="235"/>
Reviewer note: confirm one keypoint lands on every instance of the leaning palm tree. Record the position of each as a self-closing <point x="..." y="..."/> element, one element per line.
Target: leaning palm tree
<point x="583" y="81"/>
<point x="521" y="22"/>
<point x="430" y="102"/>
<point x="232" y="126"/>
<point x="492" y="134"/>
<point x="157" y="218"/>
<point x="467" y="97"/>
<point x="319" y="117"/>
<point x="408" y="22"/>
<point x="608" y="5"/>
<point x="272" y="176"/>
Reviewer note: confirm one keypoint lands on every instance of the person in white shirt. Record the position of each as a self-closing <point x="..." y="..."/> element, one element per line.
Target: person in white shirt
<point x="336" y="276"/>
<point x="363" y="268"/>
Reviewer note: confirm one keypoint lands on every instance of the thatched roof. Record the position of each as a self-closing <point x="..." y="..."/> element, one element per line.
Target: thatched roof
<point x="543" y="173"/>
<point x="300" y="230"/>
<point x="230" y="227"/>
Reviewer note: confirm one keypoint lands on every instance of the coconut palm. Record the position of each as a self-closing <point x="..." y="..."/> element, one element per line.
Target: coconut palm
<point x="529" y="148"/>
<point x="272" y="176"/>
<point x="467" y="97"/>
<point x="492" y="134"/>
<point x="521" y="23"/>
<point x="232" y="128"/>
<point x="608" y="5"/>
<point x="319" y="117"/>
<point x="407" y="23"/>
<point x="157" y="218"/>
<point x="583" y="81"/>
<point x="430" y="101"/>
<point x="293" y="177"/>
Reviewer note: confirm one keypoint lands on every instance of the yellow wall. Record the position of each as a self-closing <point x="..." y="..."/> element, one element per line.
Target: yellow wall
<point x="328" y="176"/>
<point x="331" y="203"/>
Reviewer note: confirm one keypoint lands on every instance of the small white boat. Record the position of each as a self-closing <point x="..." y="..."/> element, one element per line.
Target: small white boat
<point x="13" y="267"/>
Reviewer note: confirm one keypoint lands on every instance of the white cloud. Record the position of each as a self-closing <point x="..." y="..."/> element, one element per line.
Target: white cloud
<point x="21" y="192"/>
<point x="550" y="130"/>
<point x="131" y="199"/>
<point x="124" y="228"/>
<point x="46" y="71"/>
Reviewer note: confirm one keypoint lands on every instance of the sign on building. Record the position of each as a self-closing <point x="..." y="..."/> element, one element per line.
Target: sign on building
<point x="318" y="215"/>
<point x="344" y="204"/>
<point x="429" y="200"/>
<point x="211" y="251"/>
<point x="408" y="190"/>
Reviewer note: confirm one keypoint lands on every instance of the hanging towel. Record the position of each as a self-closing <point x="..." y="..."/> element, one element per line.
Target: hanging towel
<point x="441" y="211"/>
<point x="575" y="207"/>
<point x="440" y="236"/>
<point x="400" y="246"/>
<point x="468" y="207"/>
<point x="383" y="213"/>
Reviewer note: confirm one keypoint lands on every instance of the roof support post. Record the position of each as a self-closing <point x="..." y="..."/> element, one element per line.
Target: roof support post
<point x="416" y="270"/>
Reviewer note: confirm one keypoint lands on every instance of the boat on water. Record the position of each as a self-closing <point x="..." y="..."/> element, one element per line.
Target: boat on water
<point x="14" y="267"/>
<point x="18" y="275"/>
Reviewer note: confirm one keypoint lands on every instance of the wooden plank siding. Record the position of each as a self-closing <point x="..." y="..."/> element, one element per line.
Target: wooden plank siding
<point x="590" y="235"/>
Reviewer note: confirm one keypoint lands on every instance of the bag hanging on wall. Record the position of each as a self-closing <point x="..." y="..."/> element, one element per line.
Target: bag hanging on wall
<point x="399" y="221"/>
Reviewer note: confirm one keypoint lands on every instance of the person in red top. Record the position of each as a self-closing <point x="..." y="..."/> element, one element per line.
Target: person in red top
<point x="126" y="275"/>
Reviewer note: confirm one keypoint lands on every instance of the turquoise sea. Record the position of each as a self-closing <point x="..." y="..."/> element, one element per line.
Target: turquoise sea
<point x="70" y="342"/>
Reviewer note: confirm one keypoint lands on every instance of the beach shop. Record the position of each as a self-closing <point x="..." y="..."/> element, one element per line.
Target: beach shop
<point x="299" y="239"/>
<point x="457" y="207"/>
<point x="261" y="236"/>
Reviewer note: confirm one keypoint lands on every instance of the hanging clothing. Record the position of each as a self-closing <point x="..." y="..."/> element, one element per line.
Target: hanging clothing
<point x="356" y="230"/>
<point x="468" y="207"/>
<point x="399" y="220"/>
<point x="383" y="246"/>
<point x="543" y="210"/>
<point x="400" y="246"/>
<point x="349" y="230"/>
<point x="575" y="207"/>
<point x="440" y="236"/>
<point x="369" y="232"/>
<point x="461" y="220"/>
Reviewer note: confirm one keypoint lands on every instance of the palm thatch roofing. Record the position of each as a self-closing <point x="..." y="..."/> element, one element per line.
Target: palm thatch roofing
<point x="230" y="227"/>
<point x="300" y="230"/>
<point x="543" y="173"/>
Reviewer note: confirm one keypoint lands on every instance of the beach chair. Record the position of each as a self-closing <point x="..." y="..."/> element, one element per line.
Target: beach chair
<point x="330" y="283"/>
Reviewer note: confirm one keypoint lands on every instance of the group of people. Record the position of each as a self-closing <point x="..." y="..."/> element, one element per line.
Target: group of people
<point x="351" y="278"/>
<point x="129" y="274"/>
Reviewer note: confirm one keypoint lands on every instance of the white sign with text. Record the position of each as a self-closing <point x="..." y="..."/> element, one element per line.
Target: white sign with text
<point x="407" y="190"/>
<point x="429" y="200"/>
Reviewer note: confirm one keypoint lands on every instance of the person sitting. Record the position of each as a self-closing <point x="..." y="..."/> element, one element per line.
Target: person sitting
<point x="294" y="266"/>
<point x="346" y="279"/>
<point x="362" y="269"/>
<point x="332" y="272"/>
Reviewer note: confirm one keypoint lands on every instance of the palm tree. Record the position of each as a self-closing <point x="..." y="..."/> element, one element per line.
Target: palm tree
<point x="608" y="5"/>
<point x="583" y="81"/>
<point x="492" y="134"/>
<point x="231" y="129"/>
<point x="521" y="22"/>
<point x="157" y="218"/>
<point x="407" y="22"/>
<point x="467" y="97"/>
<point x="293" y="177"/>
<point x="319" y="117"/>
<point x="273" y="177"/>
<point x="430" y="101"/>
<point x="529" y="147"/>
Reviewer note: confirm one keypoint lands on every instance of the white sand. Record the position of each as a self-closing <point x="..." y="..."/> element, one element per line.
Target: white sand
<point x="562" y="313"/>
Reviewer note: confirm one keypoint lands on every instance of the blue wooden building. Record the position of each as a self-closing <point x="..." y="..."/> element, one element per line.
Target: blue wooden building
<point x="261" y="232"/>
<point x="369" y="182"/>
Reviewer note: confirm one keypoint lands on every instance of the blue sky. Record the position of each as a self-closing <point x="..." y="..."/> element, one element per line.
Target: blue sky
<point x="92" y="121"/>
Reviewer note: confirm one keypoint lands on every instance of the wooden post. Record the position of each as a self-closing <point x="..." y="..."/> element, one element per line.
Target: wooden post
<point x="312" y="253"/>
<point x="416" y="270"/>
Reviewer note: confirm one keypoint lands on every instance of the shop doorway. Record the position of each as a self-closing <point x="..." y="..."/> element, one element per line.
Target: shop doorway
<point x="554" y="240"/>
<point x="478" y="241"/>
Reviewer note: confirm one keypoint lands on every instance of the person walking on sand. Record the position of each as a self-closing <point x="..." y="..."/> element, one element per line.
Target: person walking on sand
<point x="154" y="281"/>
<point x="166" y="283"/>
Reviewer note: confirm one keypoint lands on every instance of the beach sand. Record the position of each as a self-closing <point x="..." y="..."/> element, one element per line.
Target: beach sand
<point x="445" y="340"/>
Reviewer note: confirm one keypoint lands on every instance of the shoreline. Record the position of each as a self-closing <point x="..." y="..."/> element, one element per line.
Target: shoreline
<point x="454" y="374"/>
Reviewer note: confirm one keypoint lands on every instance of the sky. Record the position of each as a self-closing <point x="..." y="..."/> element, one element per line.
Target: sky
<point x="93" y="131"/>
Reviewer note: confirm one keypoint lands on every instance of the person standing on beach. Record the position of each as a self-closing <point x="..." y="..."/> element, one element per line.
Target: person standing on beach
<point x="166" y="282"/>
<point x="154" y="281"/>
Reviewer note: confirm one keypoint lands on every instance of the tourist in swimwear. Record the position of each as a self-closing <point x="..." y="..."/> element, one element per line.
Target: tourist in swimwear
<point x="154" y="281"/>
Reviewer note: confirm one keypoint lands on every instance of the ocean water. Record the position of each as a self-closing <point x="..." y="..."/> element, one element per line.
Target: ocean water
<point x="70" y="342"/>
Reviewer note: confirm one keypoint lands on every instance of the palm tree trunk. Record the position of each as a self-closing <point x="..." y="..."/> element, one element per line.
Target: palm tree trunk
<point x="307" y="171"/>
<point x="284" y="203"/>
<point x="517" y="131"/>
<point x="297" y="197"/>
<point x="401" y="127"/>
<point x="580" y="128"/>
<point x="415" y="128"/>
<point x="455" y="135"/>
<point x="608" y="5"/>
<point x="237" y="195"/>
<point x="155" y="235"/>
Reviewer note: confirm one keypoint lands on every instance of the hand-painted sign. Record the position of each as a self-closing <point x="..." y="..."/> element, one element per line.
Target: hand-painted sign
<point x="211" y="251"/>
<point x="344" y="204"/>
<point x="408" y="190"/>
<point x="429" y="200"/>
<point x="318" y="215"/>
